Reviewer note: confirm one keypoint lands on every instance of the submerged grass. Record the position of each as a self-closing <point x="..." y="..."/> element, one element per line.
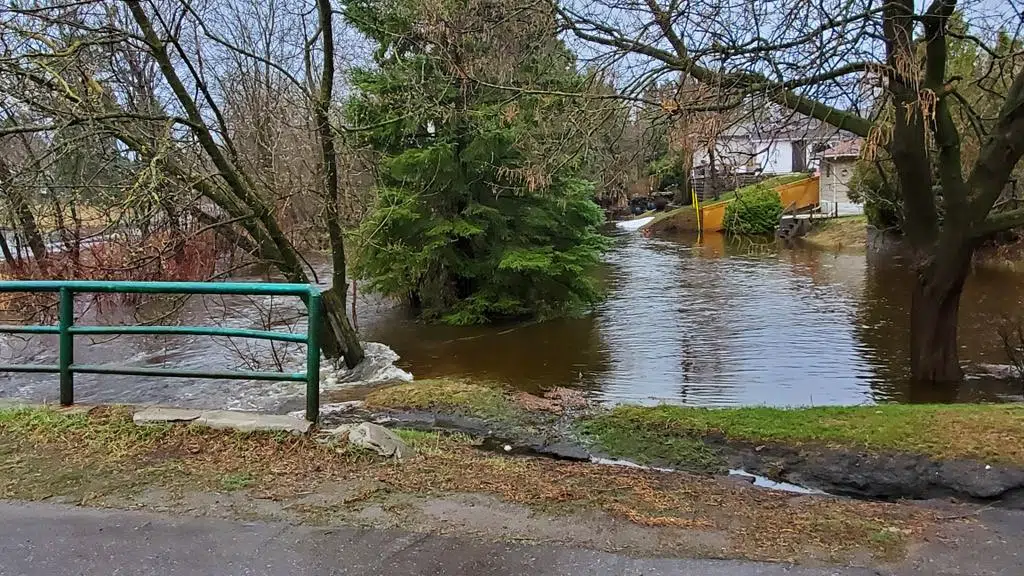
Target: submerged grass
<point x="991" y="433"/>
<point x="102" y="458"/>
<point x="846" y="232"/>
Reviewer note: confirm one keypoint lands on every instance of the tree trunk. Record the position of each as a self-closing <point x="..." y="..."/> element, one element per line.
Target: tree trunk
<point x="22" y="212"/>
<point x="335" y="298"/>
<point x="5" y="249"/>
<point x="336" y="322"/>
<point x="934" y="312"/>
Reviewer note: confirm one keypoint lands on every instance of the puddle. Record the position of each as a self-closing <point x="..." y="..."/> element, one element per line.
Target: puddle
<point x="759" y="481"/>
<point x="763" y="482"/>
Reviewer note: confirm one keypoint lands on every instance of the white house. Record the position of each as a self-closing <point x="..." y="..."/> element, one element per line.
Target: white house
<point x="769" y="141"/>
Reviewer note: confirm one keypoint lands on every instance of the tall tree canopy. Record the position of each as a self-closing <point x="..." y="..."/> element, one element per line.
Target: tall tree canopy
<point x="482" y="212"/>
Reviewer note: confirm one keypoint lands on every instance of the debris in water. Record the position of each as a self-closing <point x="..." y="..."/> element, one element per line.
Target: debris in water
<point x="633" y="224"/>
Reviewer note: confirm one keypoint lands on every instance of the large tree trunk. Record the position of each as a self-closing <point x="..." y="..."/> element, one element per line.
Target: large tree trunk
<point x="934" y="312"/>
<point x="336" y="322"/>
<point x="335" y="298"/>
<point x="5" y="249"/>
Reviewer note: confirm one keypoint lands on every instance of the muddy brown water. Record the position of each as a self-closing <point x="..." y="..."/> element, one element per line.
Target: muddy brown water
<point x="714" y="323"/>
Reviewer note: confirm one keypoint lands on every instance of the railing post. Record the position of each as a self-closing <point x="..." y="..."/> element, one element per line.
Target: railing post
<point x="66" y="347"/>
<point x="313" y="357"/>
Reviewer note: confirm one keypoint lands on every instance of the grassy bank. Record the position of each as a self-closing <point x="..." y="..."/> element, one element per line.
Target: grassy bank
<point x="989" y="433"/>
<point x="102" y="459"/>
<point x="846" y="232"/>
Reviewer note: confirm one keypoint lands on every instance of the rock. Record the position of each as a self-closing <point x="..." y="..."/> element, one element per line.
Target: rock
<point x="252" y="422"/>
<point x="222" y="419"/>
<point x="380" y="440"/>
<point x="338" y="434"/>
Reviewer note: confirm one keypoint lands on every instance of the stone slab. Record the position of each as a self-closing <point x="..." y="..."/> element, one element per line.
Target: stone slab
<point x="252" y="422"/>
<point x="160" y="415"/>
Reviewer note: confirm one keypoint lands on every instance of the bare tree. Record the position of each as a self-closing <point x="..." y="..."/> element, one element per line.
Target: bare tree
<point x="147" y="77"/>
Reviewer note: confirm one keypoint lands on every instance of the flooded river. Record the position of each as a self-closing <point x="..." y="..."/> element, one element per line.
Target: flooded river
<point x="714" y="323"/>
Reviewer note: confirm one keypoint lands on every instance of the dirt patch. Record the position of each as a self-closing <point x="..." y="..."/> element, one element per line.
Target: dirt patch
<point x="845" y="233"/>
<point x="556" y="401"/>
<point x="971" y="453"/>
<point x="682" y="219"/>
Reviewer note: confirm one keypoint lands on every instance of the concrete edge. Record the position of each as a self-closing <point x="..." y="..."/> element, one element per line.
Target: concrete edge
<point x="159" y="415"/>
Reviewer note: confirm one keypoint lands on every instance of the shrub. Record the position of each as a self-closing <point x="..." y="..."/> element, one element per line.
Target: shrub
<point x="875" y="188"/>
<point x="756" y="211"/>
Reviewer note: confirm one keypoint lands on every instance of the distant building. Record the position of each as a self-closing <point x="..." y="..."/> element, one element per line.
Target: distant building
<point x="768" y="141"/>
<point x="837" y="165"/>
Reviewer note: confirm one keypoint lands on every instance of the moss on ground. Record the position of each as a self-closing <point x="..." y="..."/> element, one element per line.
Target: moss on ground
<point x="102" y="458"/>
<point x="990" y="433"/>
<point x="486" y="401"/>
<point x="846" y="232"/>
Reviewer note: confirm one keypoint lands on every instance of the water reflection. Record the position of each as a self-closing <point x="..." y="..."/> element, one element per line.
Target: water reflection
<point x="702" y="323"/>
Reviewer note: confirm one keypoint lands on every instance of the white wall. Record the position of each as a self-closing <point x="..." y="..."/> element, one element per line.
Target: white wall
<point x="775" y="157"/>
<point x="834" y="187"/>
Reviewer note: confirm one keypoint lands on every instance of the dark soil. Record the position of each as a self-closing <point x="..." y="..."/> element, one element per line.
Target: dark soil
<point x="886" y="476"/>
<point x="878" y="476"/>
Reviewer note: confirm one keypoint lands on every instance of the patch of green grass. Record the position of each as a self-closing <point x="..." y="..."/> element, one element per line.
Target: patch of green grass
<point x="634" y="440"/>
<point x="773" y="182"/>
<point x="991" y="433"/>
<point x="471" y="399"/>
<point x="669" y="214"/>
<point x="236" y="481"/>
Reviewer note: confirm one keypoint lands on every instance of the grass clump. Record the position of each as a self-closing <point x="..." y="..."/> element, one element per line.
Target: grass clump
<point x="470" y="399"/>
<point x="991" y="433"/>
<point x="237" y="481"/>
<point x="839" y="233"/>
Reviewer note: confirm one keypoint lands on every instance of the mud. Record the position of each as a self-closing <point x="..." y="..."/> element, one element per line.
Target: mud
<point x="885" y="476"/>
<point x="879" y="476"/>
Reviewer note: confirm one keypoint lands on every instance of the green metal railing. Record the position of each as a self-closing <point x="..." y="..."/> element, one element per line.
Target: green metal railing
<point x="66" y="330"/>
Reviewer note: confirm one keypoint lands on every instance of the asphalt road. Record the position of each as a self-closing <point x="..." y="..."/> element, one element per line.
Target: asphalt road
<point x="50" y="540"/>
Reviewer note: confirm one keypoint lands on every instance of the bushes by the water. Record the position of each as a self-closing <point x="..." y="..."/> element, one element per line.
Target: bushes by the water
<point x="874" y="184"/>
<point x="756" y="211"/>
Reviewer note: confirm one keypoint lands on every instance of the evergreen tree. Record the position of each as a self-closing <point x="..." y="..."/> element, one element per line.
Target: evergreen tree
<point x="481" y="209"/>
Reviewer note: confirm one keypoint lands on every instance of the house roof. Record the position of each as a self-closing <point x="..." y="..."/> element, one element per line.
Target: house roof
<point x="844" y="149"/>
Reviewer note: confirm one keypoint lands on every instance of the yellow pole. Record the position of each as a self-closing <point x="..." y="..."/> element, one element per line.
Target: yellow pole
<point x="696" y="207"/>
